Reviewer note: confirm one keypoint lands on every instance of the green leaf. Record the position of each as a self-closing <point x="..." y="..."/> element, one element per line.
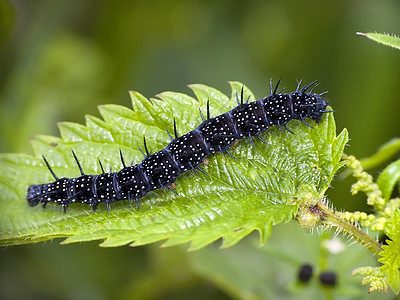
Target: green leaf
<point x="388" y="179"/>
<point x="259" y="189"/>
<point x="390" y="256"/>
<point x="385" y="39"/>
<point x="384" y="153"/>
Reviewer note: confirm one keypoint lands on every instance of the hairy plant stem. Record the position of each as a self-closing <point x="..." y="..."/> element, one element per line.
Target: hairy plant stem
<point x="331" y="219"/>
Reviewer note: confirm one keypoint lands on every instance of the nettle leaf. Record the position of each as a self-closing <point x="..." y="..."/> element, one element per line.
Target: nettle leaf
<point x="259" y="189"/>
<point x="390" y="256"/>
<point x="389" y="177"/>
<point x="386" y="39"/>
<point x="384" y="153"/>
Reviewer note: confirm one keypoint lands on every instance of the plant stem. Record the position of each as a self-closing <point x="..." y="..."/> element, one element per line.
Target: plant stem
<point x="332" y="219"/>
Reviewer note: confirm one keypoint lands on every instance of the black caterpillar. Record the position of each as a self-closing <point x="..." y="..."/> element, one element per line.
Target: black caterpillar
<point x="184" y="153"/>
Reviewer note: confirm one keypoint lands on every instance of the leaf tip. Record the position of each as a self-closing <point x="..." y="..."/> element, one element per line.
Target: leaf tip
<point x="132" y="94"/>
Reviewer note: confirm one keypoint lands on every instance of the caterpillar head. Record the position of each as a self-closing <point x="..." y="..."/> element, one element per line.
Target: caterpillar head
<point x="307" y="105"/>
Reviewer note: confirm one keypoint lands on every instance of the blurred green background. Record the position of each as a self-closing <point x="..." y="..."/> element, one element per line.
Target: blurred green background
<point x="60" y="59"/>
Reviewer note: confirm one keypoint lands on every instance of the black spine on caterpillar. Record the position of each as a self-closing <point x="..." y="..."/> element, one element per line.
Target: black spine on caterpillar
<point x="184" y="153"/>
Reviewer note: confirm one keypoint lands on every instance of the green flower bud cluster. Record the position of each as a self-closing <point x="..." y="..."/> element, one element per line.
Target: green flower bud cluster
<point x="369" y="221"/>
<point x="365" y="184"/>
<point x="373" y="276"/>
